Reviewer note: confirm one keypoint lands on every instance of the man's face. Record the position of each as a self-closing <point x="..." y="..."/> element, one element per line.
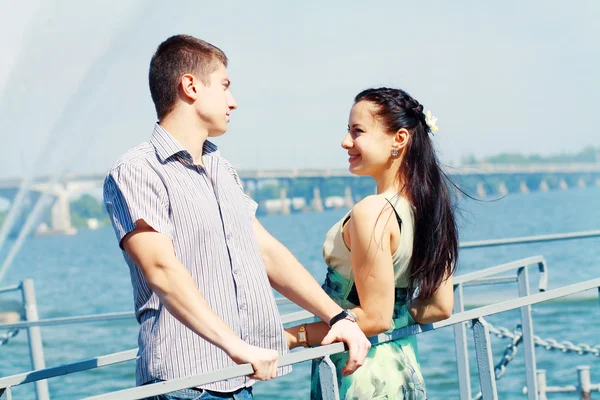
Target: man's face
<point x="215" y="102"/>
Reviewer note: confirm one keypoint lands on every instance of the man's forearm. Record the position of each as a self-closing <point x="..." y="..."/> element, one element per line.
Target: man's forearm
<point x="177" y="291"/>
<point x="292" y="280"/>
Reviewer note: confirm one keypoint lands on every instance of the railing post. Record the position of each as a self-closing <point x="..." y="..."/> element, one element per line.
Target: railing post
<point x="462" y="351"/>
<point x="36" y="347"/>
<point x="527" y="330"/>
<point x="543" y="284"/>
<point x="584" y="385"/>
<point x="5" y="394"/>
<point x="485" y="365"/>
<point x="541" y="382"/>
<point x="328" y="378"/>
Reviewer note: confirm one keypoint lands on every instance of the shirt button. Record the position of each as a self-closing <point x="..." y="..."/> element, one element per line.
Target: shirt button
<point x="242" y="306"/>
<point x="228" y="236"/>
<point x="236" y="271"/>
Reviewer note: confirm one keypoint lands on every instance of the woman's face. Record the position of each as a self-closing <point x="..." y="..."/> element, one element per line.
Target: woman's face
<point x="368" y="144"/>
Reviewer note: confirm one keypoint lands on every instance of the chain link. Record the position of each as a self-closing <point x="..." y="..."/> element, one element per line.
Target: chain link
<point x="551" y="344"/>
<point x="516" y="338"/>
<point x="5" y="337"/>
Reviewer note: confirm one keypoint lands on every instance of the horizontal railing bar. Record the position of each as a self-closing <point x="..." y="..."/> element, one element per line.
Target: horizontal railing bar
<point x="561" y="389"/>
<point x="492" y="281"/>
<point x="476" y="275"/>
<point x="64" y="369"/>
<point x="296" y="317"/>
<point x="530" y="239"/>
<point x="477" y="278"/>
<point x="10" y="288"/>
<point x="569" y="388"/>
<point x="292" y="317"/>
<point x="287" y="318"/>
<point x="484" y="311"/>
<point x="228" y="373"/>
<point x="69" y="320"/>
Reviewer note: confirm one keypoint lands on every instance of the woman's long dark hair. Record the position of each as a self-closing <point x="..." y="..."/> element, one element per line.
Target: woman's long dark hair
<point x="435" y="246"/>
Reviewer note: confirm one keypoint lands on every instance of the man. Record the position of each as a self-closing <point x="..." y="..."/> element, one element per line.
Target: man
<point x="200" y="263"/>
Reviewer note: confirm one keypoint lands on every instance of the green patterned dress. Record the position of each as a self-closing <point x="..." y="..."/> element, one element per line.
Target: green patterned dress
<point x="391" y="370"/>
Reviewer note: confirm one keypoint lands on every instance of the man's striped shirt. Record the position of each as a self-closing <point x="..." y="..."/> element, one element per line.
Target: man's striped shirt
<point x="209" y="220"/>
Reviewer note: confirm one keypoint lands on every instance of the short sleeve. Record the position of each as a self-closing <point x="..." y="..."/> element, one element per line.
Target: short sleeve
<point x="251" y="205"/>
<point x="131" y="193"/>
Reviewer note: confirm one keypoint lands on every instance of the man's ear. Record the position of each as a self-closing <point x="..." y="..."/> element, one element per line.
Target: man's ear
<point x="188" y="85"/>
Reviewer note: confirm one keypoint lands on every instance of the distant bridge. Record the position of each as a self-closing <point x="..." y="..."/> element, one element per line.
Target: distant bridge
<point x="479" y="170"/>
<point x="482" y="179"/>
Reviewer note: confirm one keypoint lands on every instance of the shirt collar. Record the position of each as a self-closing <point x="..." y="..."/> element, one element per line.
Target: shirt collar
<point x="167" y="146"/>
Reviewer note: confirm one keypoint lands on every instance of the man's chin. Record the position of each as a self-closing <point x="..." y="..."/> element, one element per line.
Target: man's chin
<point x="216" y="133"/>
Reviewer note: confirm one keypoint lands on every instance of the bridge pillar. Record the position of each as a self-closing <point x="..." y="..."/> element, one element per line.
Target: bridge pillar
<point x="457" y="190"/>
<point x="250" y="189"/>
<point x="60" y="220"/>
<point x="285" y="202"/>
<point x="523" y="187"/>
<point x="480" y="190"/>
<point x="544" y="186"/>
<point x="502" y="189"/>
<point x="316" y="202"/>
<point x="581" y="183"/>
<point x="348" y="202"/>
<point x="563" y="184"/>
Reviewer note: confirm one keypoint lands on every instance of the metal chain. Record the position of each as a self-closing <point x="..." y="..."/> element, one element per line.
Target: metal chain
<point x="552" y="344"/>
<point x="510" y="352"/>
<point x="516" y="336"/>
<point x="567" y="347"/>
<point x="5" y="337"/>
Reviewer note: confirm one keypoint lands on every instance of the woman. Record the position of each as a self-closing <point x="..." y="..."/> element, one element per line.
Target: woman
<point x="391" y="258"/>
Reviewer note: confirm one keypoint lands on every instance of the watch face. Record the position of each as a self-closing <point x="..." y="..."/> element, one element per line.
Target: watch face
<point x="302" y="336"/>
<point x="351" y="315"/>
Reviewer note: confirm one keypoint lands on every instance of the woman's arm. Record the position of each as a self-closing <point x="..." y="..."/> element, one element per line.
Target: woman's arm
<point x="370" y="232"/>
<point x="437" y="308"/>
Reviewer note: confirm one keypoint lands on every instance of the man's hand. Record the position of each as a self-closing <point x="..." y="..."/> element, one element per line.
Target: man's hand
<point x="264" y="361"/>
<point x="348" y="332"/>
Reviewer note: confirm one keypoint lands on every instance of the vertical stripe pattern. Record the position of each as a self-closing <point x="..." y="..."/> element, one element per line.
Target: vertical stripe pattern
<point x="209" y="219"/>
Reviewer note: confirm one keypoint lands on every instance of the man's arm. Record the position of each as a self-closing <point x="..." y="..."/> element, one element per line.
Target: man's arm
<point x="292" y="280"/>
<point x="154" y="255"/>
<point x="138" y="205"/>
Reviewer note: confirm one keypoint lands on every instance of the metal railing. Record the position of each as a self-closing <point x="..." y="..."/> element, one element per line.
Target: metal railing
<point x="485" y="277"/>
<point x="488" y="277"/>
<point x="36" y="348"/>
<point x="584" y="386"/>
<point x="481" y="333"/>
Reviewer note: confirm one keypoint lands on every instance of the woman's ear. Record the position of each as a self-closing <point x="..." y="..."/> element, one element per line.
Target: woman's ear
<point x="400" y="140"/>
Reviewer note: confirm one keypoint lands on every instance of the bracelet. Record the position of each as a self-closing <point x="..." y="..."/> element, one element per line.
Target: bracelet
<point x="302" y="337"/>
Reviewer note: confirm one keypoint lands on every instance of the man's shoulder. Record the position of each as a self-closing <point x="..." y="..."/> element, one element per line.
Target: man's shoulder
<point x="138" y="156"/>
<point x="141" y="156"/>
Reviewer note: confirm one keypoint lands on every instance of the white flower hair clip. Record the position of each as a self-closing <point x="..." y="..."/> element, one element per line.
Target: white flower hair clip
<point x="431" y="121"/>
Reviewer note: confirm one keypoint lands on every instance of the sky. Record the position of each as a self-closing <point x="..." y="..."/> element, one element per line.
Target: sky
<point x="507" y="76"/>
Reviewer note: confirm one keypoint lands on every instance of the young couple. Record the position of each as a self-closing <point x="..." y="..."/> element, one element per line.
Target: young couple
<point x="202" y="266"/>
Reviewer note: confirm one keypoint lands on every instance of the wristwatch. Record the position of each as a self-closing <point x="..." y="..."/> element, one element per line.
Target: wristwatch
<point x="302" y="337"/>
<point x="345" y="314"/>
